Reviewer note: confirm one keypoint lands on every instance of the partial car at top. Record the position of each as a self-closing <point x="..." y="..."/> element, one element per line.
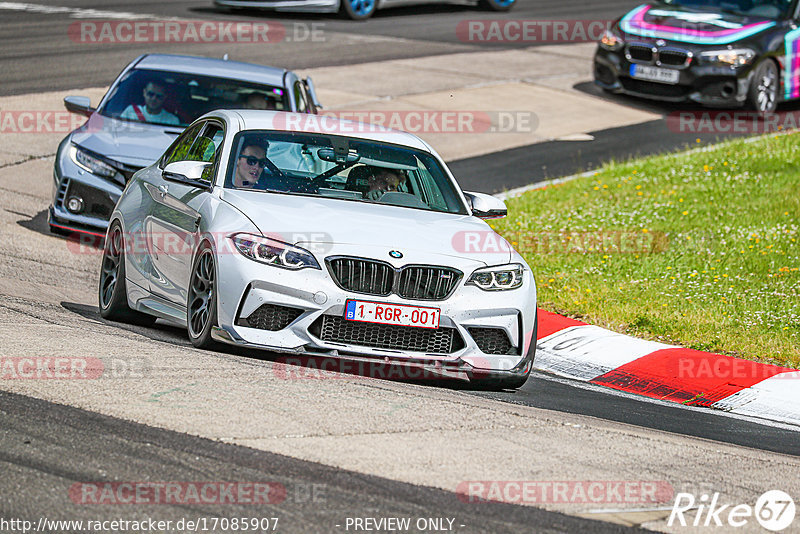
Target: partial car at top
<point x="353" y="9"/>
<point x="263" y="230"/>
<point x="720" y="53"/>
<point x="145" y="109"/>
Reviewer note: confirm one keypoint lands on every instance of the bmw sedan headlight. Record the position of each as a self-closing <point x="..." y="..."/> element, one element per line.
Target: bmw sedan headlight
<point x="274" y="252"/>
<point x="498" y="278"/>
<point x="90" y="163"/>
<point x="611" y="41"/>
<point x="735" y="57"/>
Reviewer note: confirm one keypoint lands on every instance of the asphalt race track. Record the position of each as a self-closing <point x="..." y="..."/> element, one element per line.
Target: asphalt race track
<point x="47" y="446"/>
<point x="30" y="61"/>
<point x="372" y="448"/>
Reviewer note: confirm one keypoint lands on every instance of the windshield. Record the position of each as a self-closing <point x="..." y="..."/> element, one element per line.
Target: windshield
<point x="342" y="168"/>
<point x="771" y="9"/>
<point x="177" y="99"/>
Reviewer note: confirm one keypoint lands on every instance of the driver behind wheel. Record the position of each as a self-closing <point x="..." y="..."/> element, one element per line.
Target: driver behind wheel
<point x="383" y="181"/>
<point x="249" y="166"/>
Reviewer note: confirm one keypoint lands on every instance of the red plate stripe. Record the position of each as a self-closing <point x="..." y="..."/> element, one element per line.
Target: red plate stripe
<point x="550" y="323"/>
<point x="687" y="376"/>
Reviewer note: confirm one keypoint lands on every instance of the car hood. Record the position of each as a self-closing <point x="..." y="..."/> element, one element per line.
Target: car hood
<point x="352" y="226"/>
<point x="677" y="23"/>
<point x="128" y="142"/>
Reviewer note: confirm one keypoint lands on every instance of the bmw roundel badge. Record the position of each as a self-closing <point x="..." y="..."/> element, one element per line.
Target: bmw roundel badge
<point x="396" y="254"/>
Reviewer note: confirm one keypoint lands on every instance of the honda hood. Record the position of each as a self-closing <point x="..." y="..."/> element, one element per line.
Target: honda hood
<point x="131" y="143"/>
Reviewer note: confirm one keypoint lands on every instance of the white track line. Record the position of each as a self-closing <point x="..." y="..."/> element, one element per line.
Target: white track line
<point x="78" y="13"/>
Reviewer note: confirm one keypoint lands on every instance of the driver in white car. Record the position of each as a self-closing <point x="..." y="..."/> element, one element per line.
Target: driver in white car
<point x="382" y="181"/>
<point x="250" y="165"/>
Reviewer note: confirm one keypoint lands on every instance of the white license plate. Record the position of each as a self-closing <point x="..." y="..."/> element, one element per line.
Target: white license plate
<point x="397" y="314"/>
<point x="654" y="74"/>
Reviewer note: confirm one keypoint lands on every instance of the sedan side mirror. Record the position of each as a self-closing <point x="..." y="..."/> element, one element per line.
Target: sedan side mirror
<point x="188" y="172"/>
<point x="82" y="105"/>
<point x="486" y="206"/>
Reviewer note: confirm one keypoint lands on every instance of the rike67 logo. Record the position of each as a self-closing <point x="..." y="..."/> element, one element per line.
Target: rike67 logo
<point x="774" y="511"/>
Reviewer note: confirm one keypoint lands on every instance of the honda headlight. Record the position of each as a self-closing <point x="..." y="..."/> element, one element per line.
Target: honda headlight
<point x="611" y="41"/>
<point x="90" y="163"/>
<point x="274" y="252"/>
<point x="498" y="278"/>
<point x="735" y="57"/>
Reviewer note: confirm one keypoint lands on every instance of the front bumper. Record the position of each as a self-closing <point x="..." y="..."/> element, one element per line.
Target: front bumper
<point x="99" y="197"/>
<point x="469" y="316"/>
<point x="704" y="84"/>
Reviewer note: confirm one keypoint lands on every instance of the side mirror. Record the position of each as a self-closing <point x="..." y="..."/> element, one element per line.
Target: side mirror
<point x="82" y="105"/>
<point x="312" y="92"/>
<point x="486" y="206"/>
<point x="188" y="172"/>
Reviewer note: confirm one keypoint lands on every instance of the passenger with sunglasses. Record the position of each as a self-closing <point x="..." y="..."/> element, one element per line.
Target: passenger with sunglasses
<point x="249" y="166"/>
<point x="153" y="110"/>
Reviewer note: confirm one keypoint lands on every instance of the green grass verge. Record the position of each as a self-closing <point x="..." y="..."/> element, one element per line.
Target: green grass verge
<point x="699" y="249"/>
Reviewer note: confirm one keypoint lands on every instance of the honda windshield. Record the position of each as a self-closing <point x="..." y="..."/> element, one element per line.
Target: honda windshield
<point x="177" y="99"/>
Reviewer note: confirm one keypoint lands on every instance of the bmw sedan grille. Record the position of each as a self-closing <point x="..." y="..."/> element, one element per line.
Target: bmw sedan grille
<point x="338" y="330"/>
<point x="373" y="277"/>
<point x="362" y="276"/>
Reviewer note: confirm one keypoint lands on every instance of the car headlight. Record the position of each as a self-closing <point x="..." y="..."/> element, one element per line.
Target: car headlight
<point x="611" y="41"/>
<point x="274" y="252"/>
<point x="498" y="278"/>
<point x="735" y="57"/>
<point x="91" y="163"/>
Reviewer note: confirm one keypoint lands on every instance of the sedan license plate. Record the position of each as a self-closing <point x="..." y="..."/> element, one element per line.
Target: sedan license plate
<point x="396" y="314"/>
<point x="655" y="74"/>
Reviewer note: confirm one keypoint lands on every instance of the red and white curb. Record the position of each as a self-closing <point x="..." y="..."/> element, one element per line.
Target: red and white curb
<point x="579" y="351"/>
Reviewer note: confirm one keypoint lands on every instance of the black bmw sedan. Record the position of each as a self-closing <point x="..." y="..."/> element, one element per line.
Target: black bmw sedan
<point x="719" y="53"/>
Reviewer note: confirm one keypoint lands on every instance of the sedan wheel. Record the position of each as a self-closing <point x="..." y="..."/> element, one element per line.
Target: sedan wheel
<point x="358" y="9"/>
<point x="201" y="305"/>
<point x="112" y="295"/>
<point x="497" y="5"/>
<point x="763" y="93"/>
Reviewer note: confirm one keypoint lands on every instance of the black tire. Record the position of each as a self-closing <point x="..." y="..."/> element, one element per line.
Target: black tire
<point x="762" y="95"/>
<point x="112" y="296"/>
<point x="201" y="301"/>
<point x="357" y="9"/>
<point x="497" y="5"/>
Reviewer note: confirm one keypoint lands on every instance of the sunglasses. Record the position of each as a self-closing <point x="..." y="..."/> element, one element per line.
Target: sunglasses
<point x="252" y="160"/>
<point x="151" y="94"/>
